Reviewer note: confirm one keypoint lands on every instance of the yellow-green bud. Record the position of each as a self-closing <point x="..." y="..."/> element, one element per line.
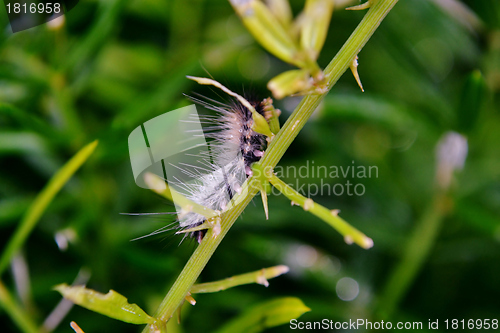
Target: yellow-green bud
<point x="281" y="10"/>
<point x="314" y="26"/>
<point x="267" y="30"/>
<point x="289" y="83"/>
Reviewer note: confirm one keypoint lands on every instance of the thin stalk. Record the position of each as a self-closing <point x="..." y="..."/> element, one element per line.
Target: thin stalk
<point x="331" y="217"/>
<point x="333" y="72"/>
<point x="275" y="151"/>
<point x="414" y="255"/>
<point x="261" y="276"/>
<point x="198" y="260"/>
<point x="16" y="313"/>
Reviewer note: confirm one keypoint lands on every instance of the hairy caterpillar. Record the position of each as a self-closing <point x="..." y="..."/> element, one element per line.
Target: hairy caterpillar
<point x="235" y="146"/>
<point x="204" y="159"/>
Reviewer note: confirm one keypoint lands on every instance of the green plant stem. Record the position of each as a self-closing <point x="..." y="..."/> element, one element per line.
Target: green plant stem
<point x="416" y="252"/>
<point x="41" y="202"/>
<point x="16" y="313"/>
<point x="275" y="151"/>
<point x="198" y="260"/>
<point x="261" y="276"/>
<point x="333" y="72"/>
<point x="350" y="233"/>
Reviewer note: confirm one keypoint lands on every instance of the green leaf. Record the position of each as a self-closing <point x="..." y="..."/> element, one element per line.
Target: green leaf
<point x="265" y="315"/>
<point x="281" y="10"/>
<point x="16" y="313"/>
<point x="316" y="21"/>
<point x="289" y="83"/>
<point x="112" y="304"/>
<point x="264" y="27"/>
<point x="41" y="202"/>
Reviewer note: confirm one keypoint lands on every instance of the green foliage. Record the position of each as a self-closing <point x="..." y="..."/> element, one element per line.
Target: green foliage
<point x="266" y="315"/>
<point x="111" y="304"/>
<point x="41" y="202"/>
<point x="116" y="64"/>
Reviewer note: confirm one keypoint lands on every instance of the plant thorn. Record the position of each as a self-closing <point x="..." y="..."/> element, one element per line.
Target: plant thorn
<point x="335" y="212"/>
<point x="354" y="70"/>
<point x="261" y="279"/>
<point x="75" y="327"/>
<point x="367" y="243"/>
<point x="348" y="239"/>
<point x="190" y="299"/>
<point x="308" y="204"/>
<point x="264" y="202"/>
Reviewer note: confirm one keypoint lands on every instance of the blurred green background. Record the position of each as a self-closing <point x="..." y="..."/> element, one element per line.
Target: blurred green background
<point x="432" y="67"/>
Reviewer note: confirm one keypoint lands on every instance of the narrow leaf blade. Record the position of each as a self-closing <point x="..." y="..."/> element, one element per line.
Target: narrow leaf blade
<point x="112" y="304"/>
<point x="43" y="199"/>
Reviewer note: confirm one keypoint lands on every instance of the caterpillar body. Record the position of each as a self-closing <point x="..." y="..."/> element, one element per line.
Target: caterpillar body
<point x="234" y="147"/>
